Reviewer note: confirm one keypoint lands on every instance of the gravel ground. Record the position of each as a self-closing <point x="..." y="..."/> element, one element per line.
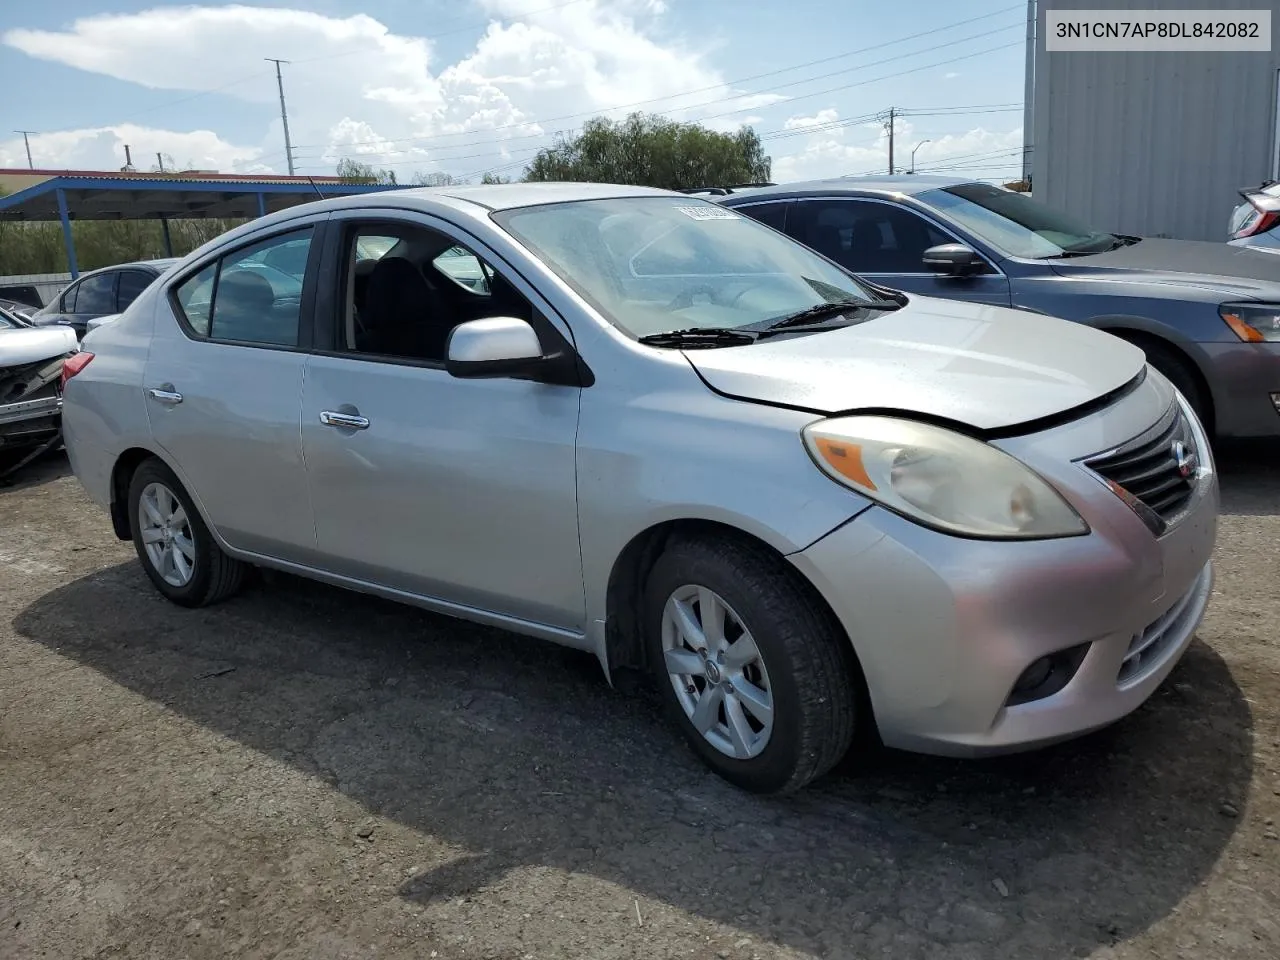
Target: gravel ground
<point x="305" y="773"/>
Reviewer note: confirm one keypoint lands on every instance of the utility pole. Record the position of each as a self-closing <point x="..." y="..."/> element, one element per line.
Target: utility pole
<point x="284" y="114"/>
<point x="892" y="112"/>
<point x="27" y="144"/>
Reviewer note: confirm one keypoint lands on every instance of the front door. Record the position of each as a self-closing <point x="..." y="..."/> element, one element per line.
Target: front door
<point x="223" y="390"/>
<point x="459" y="490"/>
<point x="885" y="242"/>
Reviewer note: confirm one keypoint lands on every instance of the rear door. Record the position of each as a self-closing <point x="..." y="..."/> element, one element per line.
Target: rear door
<point x="223" y="389"/>
<point x="885" y="242"/>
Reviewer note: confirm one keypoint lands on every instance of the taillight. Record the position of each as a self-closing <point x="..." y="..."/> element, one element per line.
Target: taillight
<point x="1259" y="215"/>
<point x="74" y="364"/>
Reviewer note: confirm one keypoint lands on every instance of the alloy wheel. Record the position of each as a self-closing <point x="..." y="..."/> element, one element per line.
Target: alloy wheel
<point x="717" y="672"/>
<point x="166" y="534"/>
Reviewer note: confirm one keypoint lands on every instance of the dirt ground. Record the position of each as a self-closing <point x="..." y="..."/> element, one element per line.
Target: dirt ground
<point x="305" y="773"/>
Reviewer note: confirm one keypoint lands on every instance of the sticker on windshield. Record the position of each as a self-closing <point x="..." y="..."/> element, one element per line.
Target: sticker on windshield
<point x="708" y="212"/>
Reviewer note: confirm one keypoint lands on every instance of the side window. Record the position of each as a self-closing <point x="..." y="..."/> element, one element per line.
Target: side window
<point x="407" y="287"/>
<point x="97" y="294"/>
<point x="195" y="297"/>
<point x="465" y="269"/>
<point x="69" y="299"/>
<point x="132" y="283"/>
<point x="770" y="214"/>
<point x="252" y="295"/>
<point x="867" y="236"/>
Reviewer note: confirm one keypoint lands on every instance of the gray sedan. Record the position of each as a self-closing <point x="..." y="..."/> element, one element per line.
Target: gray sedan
<point x="817" y="512"/>
<point x="1207" y="315"/>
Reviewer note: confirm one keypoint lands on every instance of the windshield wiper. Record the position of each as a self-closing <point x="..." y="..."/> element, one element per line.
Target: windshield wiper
<point x="824" y="310"/>
<point x="695" y="337"/>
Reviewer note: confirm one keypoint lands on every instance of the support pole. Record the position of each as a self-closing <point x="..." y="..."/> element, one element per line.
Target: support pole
<point x="66" y="232"/>
<point x="262" y="204"/>
<point x="168" y="243"/>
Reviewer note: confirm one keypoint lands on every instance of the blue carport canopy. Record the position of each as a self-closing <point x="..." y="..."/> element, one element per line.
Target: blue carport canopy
<point x="68" y="196"/>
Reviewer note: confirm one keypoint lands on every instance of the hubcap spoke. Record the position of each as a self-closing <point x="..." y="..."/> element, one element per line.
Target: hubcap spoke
<point x="152" y="510"/>
<point x="687" y="623"/>
<point x="707" y="712"/>
<point x="740" y="732"/>
<point x="685" y="663"/>
<point x="741" y="652"/>
<point x="711" y="613"/>
<point x="180" y="563"/>
<point x="759" y="703"/>
<point x="177" y="519"/>
<point x="152" y="534"/>
<point x="182" y="543"/>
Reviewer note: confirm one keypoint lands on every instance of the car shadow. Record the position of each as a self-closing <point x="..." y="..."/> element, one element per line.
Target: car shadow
<point x="1247" y="472"/>
<point x="46" y="468"/>
<point x="521" y="753"/>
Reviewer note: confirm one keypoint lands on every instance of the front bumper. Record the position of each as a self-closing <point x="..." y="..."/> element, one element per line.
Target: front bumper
<point x="1244" y="377"/>
<point x="944" y="627"/>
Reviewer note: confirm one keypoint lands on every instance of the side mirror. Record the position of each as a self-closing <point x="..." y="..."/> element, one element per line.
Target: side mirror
<point x="954" y="259"/>
<point x="493" y="347"/>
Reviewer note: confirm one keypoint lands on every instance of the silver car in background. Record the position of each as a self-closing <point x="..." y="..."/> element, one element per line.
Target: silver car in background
<point x="815" y="510"/>
<point x="1256" y="222"/>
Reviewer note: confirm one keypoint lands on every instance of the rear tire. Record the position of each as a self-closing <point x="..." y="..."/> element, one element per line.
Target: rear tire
<point x="794" y="705"/>
<point x="174" y="545"/>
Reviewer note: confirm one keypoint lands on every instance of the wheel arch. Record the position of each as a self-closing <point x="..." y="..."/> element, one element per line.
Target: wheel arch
<point x="623" y="637"/>
<point x="1142" y="335"/>
<point x="122" y="472"/>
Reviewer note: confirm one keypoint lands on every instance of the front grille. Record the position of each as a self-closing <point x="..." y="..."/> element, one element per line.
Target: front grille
<point x="1158" y="469"/>
<point x="1146" y="649"/>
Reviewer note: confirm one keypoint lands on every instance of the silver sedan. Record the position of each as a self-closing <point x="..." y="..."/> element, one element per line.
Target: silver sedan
<point x="817" y="511"/>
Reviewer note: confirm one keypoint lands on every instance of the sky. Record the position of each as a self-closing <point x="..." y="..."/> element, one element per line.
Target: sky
<point x="466" y="87"/>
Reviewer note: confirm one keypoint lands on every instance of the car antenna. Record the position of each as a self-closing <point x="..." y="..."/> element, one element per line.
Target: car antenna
<point x="316" y="189"/>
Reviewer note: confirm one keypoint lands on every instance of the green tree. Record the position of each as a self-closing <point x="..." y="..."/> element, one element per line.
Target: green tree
<point x="492" y="178"/>
<point x="652" y="151"/>
<point x="437" y="179"/>
<point x="353" y="171"/>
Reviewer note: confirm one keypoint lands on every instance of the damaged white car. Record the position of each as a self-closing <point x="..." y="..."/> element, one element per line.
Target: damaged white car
<point x="31" y="360"/>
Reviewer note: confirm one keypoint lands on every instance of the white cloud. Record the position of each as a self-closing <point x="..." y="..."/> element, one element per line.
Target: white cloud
<point x="864" y="149"/>
<point x="355" y="88"/>
<point x="102" y="148"/>
<point x="821" y="117"/>
<point x="950" y="76"/>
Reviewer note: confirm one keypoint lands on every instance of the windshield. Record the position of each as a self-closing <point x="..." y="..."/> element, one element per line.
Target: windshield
<point x="1015" y="223"/>
<point x="653" y="264"/>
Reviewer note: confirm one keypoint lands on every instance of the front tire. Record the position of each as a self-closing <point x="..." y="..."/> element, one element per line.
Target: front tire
<point x="174" y="545"/>
<point x="752" y="668"/>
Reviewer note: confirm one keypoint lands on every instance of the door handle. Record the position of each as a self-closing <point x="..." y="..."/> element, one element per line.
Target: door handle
<point x="349" y="421"/>
<point x="165" y="396"/>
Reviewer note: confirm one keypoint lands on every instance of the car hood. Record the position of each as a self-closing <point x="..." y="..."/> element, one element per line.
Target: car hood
<point x="988" y="367"/>
<point x="33" y="344"/>
<point x="1233" y="270"/>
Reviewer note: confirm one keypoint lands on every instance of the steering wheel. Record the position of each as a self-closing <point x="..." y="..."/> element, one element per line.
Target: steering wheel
<point x="685" y="297"/>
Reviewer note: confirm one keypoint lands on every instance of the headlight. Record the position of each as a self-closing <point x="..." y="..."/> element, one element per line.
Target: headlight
<point x="1253" y="322"/>
<point x="941" y="478"/>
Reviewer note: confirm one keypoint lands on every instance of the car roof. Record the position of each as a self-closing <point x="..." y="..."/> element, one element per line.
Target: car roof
<point x="159" y="265"/>
<point x="907" y="183"/>
<point x="508" y="196"/>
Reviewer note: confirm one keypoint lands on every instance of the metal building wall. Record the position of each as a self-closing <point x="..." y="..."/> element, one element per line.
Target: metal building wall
<point x="1155" y="144"/>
